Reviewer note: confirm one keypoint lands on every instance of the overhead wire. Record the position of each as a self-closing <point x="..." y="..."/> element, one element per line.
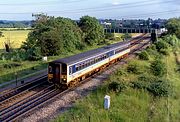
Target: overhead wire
<point x="97" y="9"/>
<point x="149" y="14"/>
<point x="108" y="8"/>
<point x="55" y="2"/>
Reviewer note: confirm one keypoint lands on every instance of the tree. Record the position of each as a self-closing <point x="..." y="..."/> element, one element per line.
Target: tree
<point x="161" y="45"/>
<point x="158" y="68"/>
<point x="54" y="36"/>
<point x="173" y="26"/>
<point x="92" y="30"/>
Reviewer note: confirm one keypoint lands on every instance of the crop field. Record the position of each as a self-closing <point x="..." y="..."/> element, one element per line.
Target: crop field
<point x="16" y="37"/>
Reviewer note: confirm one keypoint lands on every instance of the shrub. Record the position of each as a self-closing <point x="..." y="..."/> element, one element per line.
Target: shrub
<point x="116" y="87"/>
<point x="134" y="68"/>
<point x="144" y="81"/>
<point x="120" y="72"/>
<point x="152" y="47"/>
<point x="147" y="78"/>
<point x="144" y="55"/>
<point x="158" y="68"/>
<point x="11" y="65"/>
<point x="140" y="84"/>
<point x="14" y="56"/>
<point x="164" y="51"/>
<point x="161" y="45"/>
<point x="160" y="88"/>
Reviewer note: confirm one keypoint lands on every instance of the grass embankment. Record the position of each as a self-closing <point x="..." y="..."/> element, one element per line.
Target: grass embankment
<point x="16" y="38"/>
<point x="135" y="102"/>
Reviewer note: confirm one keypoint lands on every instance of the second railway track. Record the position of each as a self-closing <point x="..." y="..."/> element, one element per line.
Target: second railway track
<point x="9" y="93"/>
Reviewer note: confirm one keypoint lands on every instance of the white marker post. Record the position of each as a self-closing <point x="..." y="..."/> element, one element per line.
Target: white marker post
<point x="106" y="102"/>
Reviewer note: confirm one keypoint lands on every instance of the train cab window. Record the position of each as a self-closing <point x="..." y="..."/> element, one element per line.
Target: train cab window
<point x="64" y="69"/>
<point x="50" y="69"/>
<point x="57" y="70"/>
<point x="70" y="70"/>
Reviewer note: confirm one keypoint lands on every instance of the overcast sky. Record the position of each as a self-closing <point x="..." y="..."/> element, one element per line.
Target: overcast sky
<point x="115" y="9"/>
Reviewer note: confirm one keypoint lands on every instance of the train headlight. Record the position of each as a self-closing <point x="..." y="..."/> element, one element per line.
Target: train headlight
<point x="50" y="76"/>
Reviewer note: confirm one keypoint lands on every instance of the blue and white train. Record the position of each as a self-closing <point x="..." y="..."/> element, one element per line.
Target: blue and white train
<point x="68" y="71"/>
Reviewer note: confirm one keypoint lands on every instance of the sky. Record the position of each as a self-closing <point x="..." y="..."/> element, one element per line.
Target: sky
<point x="101" y="9"/>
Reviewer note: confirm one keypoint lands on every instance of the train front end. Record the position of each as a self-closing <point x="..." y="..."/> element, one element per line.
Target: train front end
<point x="57" y="74"/>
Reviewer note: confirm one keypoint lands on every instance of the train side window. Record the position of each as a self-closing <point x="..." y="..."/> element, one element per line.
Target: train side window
<point x="80" y="66"/>
<point x="83" y="66"/>
<point x="70" y="70"/>
<point x="77" y="67"/>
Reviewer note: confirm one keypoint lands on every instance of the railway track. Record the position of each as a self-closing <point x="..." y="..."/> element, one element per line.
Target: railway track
<point x="17" y="110"/>
<point x="21" y="96"/>
<point x="11" y="112"/>
<point x="12" y="92"/>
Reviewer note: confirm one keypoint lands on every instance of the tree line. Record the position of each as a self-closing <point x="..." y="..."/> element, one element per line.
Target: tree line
<point x="53" y="36"/>
<point x="15" y="24"/>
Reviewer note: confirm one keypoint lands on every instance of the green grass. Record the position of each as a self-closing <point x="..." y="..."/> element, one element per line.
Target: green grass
<point x="132" y="105"/>
<point x="16" y="38"/>
<point x="25" y="69"/>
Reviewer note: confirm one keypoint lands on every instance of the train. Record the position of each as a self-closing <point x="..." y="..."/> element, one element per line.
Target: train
<point x="69" y="71"/>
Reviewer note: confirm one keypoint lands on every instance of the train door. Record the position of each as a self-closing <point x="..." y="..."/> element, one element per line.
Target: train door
<point x="57" y="73"/>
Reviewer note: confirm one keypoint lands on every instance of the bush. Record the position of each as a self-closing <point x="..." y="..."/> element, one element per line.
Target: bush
<point x="144" y="55"/>
<point x="14" y="56"/>
<point x="140" y="84"/>
<point x="126" y="36"/>
<point x="144" y="81"/>
<point x="134" y="68"/>
<point x="120" y="72"/>
<point x="11" y="65"/>
<point x="158" y="68"/>
<point x="161" y="45"/>
<point x="160" y="88"/>
<point x="116" y="87"/>
<point x="147" y="78"/>
<point x="164" y="51"/>
<point x="152" y="47"/>
<point x="109" y="36"/>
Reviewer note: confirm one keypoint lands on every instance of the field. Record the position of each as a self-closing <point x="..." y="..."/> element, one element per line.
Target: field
<point x="131" y="104"/>
<point x="121" y="34"/>
<point x="16" y="38"/>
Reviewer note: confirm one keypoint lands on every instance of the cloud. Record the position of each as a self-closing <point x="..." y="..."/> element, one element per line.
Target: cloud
<point x="115" y="2"/>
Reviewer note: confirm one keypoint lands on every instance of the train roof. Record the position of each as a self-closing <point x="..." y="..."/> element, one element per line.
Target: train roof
<point x="82" y="56"/>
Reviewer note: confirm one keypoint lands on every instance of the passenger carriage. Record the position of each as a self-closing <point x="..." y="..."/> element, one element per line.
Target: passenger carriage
<point x="68" y="71"/>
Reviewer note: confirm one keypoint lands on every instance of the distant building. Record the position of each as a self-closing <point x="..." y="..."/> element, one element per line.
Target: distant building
<point x="106" y="24"/>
